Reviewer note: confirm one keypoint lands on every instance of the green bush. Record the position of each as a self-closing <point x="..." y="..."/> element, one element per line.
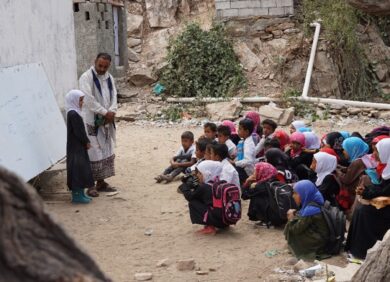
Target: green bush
<point x="202" y="64"/>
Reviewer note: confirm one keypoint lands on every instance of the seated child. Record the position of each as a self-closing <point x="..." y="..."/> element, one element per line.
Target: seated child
<point x="200" y="200"/>
<point x="279" y="160"/>
<point x="224" y="138"/>
<point x="181" y="160"/>
<point x="210" y="130"/>
<point x="219" y="153"/>
<point x="200" y="152"/>
<point x="269" y="127"/>
<point x="306" y="231"/>
<point x="255" y="190"/>
<point x="255" y="118"/>
<point x="78" y="167"/>
<point x="300" y="158"/>
<point x="324" y="165"/>
<point x="246" y="157"/>
<point x="233" y="131"/>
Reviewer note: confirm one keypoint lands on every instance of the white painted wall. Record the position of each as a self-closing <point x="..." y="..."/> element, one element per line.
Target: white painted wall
<point x="40" y="31"/>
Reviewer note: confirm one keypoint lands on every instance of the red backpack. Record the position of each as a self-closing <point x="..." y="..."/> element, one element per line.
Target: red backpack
<point x="226" y="196"/>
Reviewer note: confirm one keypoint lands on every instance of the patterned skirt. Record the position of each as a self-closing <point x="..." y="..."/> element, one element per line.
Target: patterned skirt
<point x="103" y="169"/>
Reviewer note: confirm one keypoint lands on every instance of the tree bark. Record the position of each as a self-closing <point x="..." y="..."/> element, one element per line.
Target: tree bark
<point x="376" y="267"/>
<point x="374" y="7"/>
<point x="33" y="247"/>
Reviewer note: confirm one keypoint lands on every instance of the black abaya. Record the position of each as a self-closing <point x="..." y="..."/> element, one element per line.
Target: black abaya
<point x="79" y="173"/>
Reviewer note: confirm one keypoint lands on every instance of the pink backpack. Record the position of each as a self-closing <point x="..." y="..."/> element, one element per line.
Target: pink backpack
<point x="226" y="196"/>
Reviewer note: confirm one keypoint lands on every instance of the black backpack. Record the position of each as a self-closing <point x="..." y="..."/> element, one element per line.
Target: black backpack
<point x="280" y="200"/>
<point x="336" y="221"/>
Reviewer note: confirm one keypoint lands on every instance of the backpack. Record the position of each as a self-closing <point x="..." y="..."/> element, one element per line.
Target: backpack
<point x="336" y="221"/>
<point x="226" y="196"/>
<point x="279" y="201"/>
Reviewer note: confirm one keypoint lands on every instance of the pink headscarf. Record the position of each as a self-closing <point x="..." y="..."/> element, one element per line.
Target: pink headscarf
<point x="299" y="138"/>
<point x="264" y="172"/>
<point x="231" y="125"/>
<point x="255" y="117"/>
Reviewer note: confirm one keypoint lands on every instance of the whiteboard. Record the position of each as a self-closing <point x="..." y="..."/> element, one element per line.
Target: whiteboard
<point x="33" y="131"/>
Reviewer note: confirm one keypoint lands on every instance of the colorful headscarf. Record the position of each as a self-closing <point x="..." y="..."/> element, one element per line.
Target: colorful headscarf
<point x="72" y="101"/>
<point x="264" y="172"/>
<point x="304" y="129"/>
<point x="308" y="193"/>
<point x="283" y="138"/>
<point x="330" y="151"/>
<point x="326" y="164"/>
<point x="298" y="124"/>
<point x="255" y="117"/>
<point x="231" y="125"/>
<point x="383" y="148"/>
<point x="210" y="170"/>
<point x="297" y="137"/>
<point x="355" y="147"/>
<point x="379" y="138"/>
<point x="312" y="141"/>
<point x="345" y="134"/>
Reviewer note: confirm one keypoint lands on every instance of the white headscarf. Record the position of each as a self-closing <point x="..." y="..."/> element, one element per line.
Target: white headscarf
<point x="298" y="124"/>
<point x="72" y="101"/>
<point x="210" y="170"/>
<point x="383" y="147"/>
<point x="326" y="164"/>
<point x="312" y="141"/>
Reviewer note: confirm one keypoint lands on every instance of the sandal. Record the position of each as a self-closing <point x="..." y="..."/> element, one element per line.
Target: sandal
<point x="105" y="187"/>
<point x="92" y="192"/>
<point x="159" y="178"/>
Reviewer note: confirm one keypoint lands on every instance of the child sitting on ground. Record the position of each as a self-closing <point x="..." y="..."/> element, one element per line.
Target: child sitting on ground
<point x="200" y="152"/>
<point x="182" y="160"/>
<point x="224" y="138"/>
<point x="245" y="160"/>
<point x="219" y="152"/>
<point x="269" y="127"/>
<point x="210" y="130"/>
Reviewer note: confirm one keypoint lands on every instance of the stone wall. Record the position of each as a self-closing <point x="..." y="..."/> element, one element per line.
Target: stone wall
<point x="94" y="29"/>
<point x="248" y="8"/>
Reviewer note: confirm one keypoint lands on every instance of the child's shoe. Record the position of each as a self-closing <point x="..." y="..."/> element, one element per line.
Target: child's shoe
<point x="168" y="178"/>
<point x="159" y="178"/>
<point x="78" y="198"/>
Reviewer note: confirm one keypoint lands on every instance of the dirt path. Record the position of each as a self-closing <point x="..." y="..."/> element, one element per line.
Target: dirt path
<point x="112" y="229"/>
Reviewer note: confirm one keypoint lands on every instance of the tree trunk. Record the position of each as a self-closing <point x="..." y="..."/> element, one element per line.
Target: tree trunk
<point x="376" y="267"/>
<point x="33" y="246"/>
<point x="374" y="7"/>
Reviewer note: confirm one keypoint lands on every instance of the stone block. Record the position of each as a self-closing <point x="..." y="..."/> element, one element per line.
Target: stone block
<point x="224" y="110"/>
<point x="142" y="77"/>
<point x="260" y="11"/>
<point x="280" y="116"/>
<point x="222" y="5"/>
<point x="288" y="11"/>
<point x="276" y="12"/>
<point x="284" y="3"/>
<point x="268" y="3"/>
<point x="143" y="276"/>
<point x="230" y="13"/>
<point x="185" y="265"/>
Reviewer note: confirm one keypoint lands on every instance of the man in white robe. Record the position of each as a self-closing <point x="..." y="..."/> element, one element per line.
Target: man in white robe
<point x="100" y="106"/>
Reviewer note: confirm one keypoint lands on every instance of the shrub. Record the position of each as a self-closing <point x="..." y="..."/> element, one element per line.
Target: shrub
<point x="202" y="64"/>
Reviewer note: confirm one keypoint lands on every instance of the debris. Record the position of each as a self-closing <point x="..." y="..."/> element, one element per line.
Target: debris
<point x="158" y="89"/>
<point x="300" y="265"/>
<point x="143" y="276"/>
<point x="148" y="232"/>
<point x="110" y="194"/>
<point x="202" y="272"/>
<point x="272" y="253"/>
<point x="163" y="263"/>
<point x="185" y="264"/>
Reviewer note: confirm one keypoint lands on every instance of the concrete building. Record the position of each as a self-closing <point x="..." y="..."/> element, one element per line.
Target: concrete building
<point x="249" y="8"/>
<point x="34" y="31"/>
<point x="100" y="26"/>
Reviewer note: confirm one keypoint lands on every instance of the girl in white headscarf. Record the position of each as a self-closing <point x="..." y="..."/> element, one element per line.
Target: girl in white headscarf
<point x="324" y="165"/>
<point x="369" y="224"/>
<point x="79" y="173"/>
<point x="200" y="200"/>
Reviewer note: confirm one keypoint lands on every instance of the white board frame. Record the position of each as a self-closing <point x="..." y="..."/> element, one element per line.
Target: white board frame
<point x="33" y="130"/>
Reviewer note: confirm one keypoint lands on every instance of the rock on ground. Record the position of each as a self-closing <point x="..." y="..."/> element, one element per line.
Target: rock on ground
<point x="161" y="13"/>
<point x="142" y="77"/>
<point x="185" y="265"/>
<point x="224" y="110"/>
<point x="143" y="276"/>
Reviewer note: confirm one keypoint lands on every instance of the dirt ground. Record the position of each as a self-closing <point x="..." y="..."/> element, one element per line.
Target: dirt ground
<point x="112" y="229"/>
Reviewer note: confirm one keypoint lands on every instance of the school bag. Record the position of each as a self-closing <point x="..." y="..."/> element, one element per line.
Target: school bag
<point x="279" y="201"/>
<point x="226" y="196"/>
<point x="336" y="221"/>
